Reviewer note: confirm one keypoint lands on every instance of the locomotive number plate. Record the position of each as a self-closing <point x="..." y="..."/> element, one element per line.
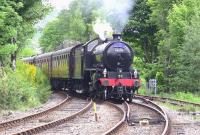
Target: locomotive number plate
<point x="119" y="49"/>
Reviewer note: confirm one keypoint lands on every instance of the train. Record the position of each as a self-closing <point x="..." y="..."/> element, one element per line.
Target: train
<point x="100" y="68"/>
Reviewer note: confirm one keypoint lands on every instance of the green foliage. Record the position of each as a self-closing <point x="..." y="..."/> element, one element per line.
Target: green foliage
<point x="176" y="63"/>
<point x="74" y="24"/>
<point x="189" y="75"/>
<point x="24" y="88"/>
<point x="142" y="89"/>
<point x="17" y="19"/>
<point x="185" y="96"/>
<point x="180" y="108"/>
<point x="27" y="52"/>
<point x="160" y="10"/>
<point x="179" y="18"/>
<point x="43" y="86"/>
<point x="7" y="49"/>
<point x="141" y="31"/>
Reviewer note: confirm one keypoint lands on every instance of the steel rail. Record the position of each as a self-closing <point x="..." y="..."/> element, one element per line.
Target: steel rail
<point x="160" y="111"/>
<point x="55" y="123"/>
<point x="18" y="121"/>
<point x="120" y="123"/>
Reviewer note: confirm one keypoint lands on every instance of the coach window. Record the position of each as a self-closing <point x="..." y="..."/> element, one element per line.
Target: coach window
<point x="60" y="61"/>
<point x="63" y="59"/>
<point x="57" y="61"/>
<point x="53" y="62"/>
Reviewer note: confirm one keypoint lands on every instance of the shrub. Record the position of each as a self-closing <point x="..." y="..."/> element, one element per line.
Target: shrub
<point x="24" y="88"/>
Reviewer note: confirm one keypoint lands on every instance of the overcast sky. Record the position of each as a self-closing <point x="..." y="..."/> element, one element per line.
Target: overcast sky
<point x="60" y="4"/>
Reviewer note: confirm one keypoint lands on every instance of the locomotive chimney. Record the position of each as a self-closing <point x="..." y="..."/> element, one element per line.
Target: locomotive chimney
<point x="117" y="36"/>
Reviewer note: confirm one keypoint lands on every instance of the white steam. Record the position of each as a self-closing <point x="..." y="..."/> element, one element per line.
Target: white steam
<point x="115" y="13"/>
<point x="102" y="28"/>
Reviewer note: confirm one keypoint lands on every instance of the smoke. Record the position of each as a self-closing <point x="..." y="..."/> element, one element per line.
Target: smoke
<point x="102" y="28"/>
<point x="115" y="13"/>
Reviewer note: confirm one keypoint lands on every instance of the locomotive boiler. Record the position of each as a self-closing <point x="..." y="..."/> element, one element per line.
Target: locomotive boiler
<point x="100" y="68"/>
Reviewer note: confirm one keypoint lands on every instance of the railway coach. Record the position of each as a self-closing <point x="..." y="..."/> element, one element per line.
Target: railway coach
<point x="99" y="68"/>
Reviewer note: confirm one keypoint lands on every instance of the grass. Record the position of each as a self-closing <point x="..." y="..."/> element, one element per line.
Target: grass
<point x="180" y="108"/>
<point x="189" y="97"/>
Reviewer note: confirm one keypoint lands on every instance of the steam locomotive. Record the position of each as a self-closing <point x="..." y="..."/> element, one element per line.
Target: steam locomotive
<point x="99" y="68"/>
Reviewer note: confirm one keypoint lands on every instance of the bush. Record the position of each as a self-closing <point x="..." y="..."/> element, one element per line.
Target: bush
<point x="24" y="88"/>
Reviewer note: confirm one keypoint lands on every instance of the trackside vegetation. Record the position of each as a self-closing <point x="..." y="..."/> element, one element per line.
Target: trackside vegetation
<point x="163" y="33"/>
<point x="24" y="88"/>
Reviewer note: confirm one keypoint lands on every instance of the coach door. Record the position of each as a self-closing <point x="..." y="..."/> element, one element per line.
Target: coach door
<point x="78" y="63"/>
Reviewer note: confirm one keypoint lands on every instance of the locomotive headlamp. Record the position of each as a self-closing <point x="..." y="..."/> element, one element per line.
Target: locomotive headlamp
<point x="119" y="73"/>
<point x="119" y="76"/>
<point x="135" y="74"/>
<point x="120" y="70"/>
<point x="105" y="72"/>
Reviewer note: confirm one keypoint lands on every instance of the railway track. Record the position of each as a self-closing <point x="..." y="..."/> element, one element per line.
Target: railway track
<point x="169" y="100"/>
<point x="183" y="122"/>
<point x="75" y="114"/>
<point x="52" y="119"/>
<point x="110" y="117"/>
<point x="15" y="122"/>
<point x="145" y="117"/>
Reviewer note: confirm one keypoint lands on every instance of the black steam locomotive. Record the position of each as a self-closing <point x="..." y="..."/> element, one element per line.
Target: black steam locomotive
<point x="99" y="68"/>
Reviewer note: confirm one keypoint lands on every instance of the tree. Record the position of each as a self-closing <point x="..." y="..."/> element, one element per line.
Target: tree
<point x="17" y="25"/>
<point x="179" y="18"/>
<point x="188" y="78"/>
<point x="141" y="31"/>
<point x="73" y="24"/>
<point x="160" y="11"/>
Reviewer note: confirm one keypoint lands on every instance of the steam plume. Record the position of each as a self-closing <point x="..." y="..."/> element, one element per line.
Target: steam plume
<point x="115" y="14"/>
<point x="102" y="28"/>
